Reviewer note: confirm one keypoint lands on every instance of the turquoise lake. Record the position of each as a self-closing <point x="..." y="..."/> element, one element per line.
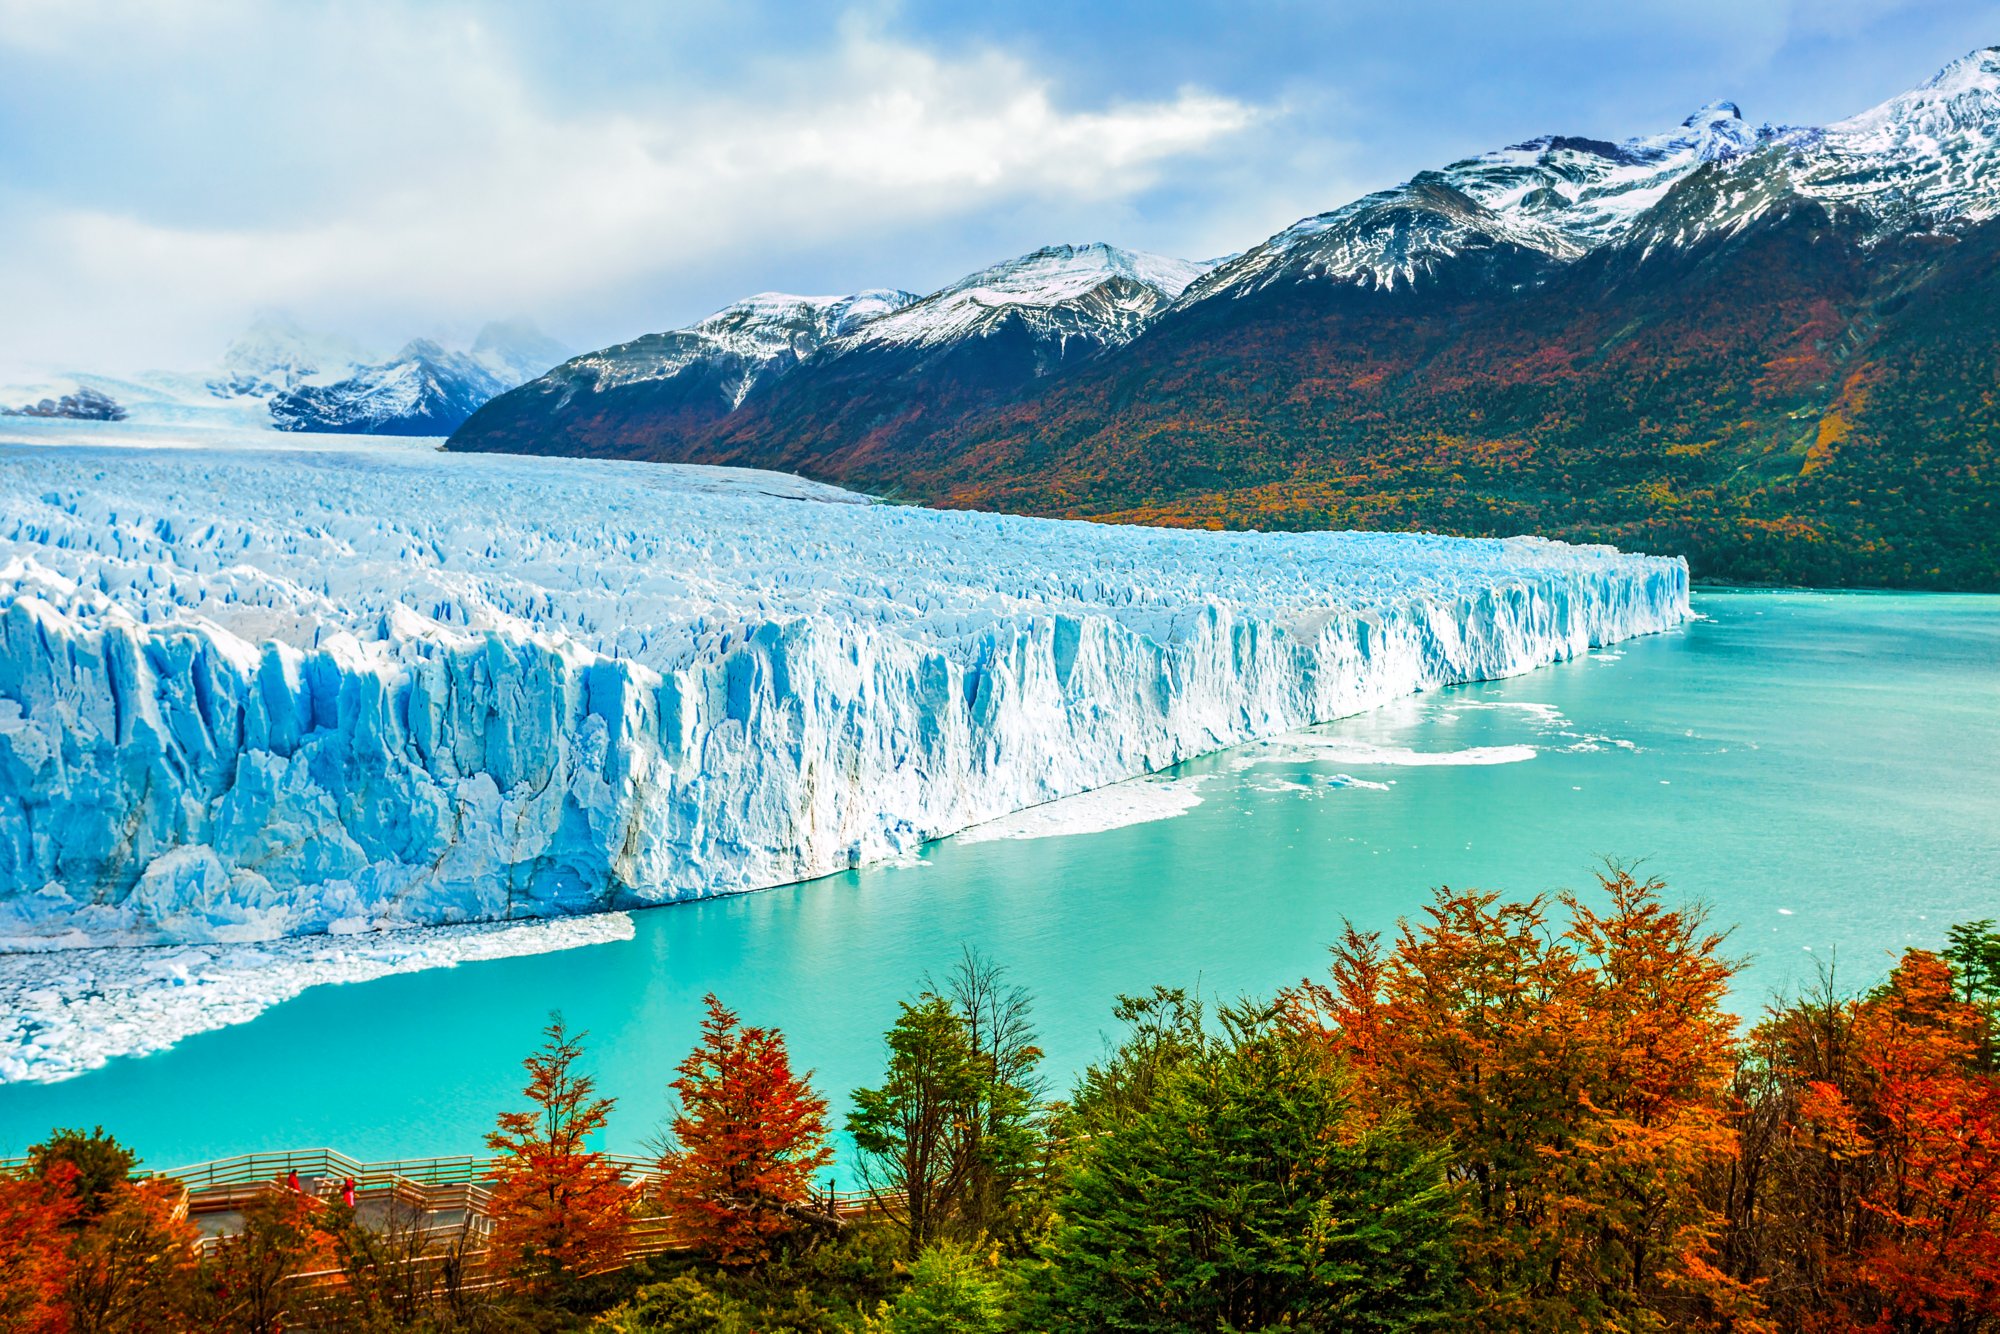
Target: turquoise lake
<point x="1822" y="769"/>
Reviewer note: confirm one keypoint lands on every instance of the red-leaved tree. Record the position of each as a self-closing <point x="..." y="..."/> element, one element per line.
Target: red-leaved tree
<point x="746" y="1143"/>
<point x="34" y="1251"/>
<point x="559" y="1209"/>
<point x="1911" y="1128"/>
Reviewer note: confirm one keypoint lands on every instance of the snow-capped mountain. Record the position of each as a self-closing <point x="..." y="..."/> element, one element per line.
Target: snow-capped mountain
<point x="1928" y="157"/>
<point x="425" y="389"/>
<point x="688" y="377"/>
<point x="280" y="375"/>
<point x="1067" y="298"/>
<point x="738" y="349"/>
<point x="515" y="351"/>
<point x="1549" y="200"/>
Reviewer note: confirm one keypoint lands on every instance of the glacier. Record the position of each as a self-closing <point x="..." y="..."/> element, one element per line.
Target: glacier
<point x="250" y="692"/>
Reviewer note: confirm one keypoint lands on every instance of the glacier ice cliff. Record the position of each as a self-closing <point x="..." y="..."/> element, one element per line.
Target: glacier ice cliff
<point x="249" y="692"/>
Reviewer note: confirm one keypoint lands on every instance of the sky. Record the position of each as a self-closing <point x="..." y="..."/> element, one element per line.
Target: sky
<point x="170" y="169"/>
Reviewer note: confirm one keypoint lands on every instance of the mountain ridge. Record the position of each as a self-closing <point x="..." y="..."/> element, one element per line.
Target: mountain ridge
<point x="1691" y="339"/>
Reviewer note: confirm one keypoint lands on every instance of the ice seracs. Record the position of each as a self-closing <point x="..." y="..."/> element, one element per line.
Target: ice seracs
<point x="249" y="693"/>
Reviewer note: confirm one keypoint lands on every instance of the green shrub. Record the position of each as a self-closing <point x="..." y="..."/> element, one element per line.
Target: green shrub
<point x="681" y="1305"/>
<point x="952" y="1291"/>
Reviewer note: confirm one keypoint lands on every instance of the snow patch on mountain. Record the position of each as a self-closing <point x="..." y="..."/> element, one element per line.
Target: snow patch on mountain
<point x="249" y="693"/>
<point x="1930" y="155"/>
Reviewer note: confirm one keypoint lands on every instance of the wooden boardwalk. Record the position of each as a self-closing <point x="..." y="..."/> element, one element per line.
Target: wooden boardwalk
<point x="450" y="1197"/>
<point x="439" y="1208"/>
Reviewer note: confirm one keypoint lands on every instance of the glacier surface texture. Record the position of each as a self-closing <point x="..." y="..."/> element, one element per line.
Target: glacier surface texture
<point x="251" y="692"/>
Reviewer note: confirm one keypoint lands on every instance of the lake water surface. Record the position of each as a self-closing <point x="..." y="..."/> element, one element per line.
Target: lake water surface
<point x="1822" y="769"/>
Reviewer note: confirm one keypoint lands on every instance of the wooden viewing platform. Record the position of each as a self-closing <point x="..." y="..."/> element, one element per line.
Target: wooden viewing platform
<point x="449" y="1198"/>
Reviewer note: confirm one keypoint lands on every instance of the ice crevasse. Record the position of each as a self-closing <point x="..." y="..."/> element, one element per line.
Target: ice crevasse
<point x="248" y="693"/>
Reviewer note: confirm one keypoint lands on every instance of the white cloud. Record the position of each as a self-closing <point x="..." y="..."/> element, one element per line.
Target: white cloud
<point x="407" y="166"/>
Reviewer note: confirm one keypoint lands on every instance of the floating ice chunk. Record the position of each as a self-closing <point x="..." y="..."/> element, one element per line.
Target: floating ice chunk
<point x="1312" y="747"/>
<point x="1114" y="807"/>
<point x="68" y="1011"/>
<point x="1548" y="715"/>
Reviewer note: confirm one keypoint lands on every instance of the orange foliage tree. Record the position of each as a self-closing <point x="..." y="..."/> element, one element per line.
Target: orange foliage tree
<point x="747" y="1142"/>
<point x="132" y="1268"/>
<point x="559" y="1209"/>
<point x="1576" y="1075"/>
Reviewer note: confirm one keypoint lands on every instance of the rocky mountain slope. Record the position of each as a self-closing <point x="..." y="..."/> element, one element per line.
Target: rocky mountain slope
<point x="1773" y="348"/>
<point x="80" y="404"/>
<point x="681" y="380"/>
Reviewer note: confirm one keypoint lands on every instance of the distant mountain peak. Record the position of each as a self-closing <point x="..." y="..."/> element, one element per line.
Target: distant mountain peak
<point x="1712" y="112"/>
<point x="276" y="354"/>
<point x="1095" y="292"/>
<point x="516" y="350"/>
<point x="1976" y="71"/>
<point x="1963" y="96"/>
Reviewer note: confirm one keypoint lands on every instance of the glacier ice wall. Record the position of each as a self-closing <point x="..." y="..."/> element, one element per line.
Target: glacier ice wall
<point x="252" y="692"/>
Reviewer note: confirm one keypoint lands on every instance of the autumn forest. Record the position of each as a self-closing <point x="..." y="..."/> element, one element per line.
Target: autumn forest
<point x="1512" y="1115"/>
